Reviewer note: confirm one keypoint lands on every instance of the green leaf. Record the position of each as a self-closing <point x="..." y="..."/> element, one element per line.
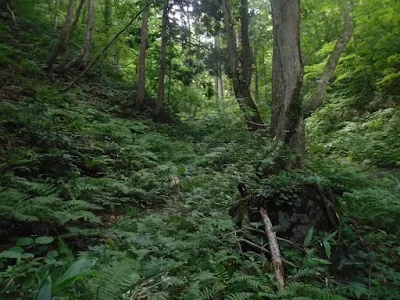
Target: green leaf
<point x="309" y="236"/>
<point x="319" y="261"/>
<point x="10" y="254"/>
<point x="327" y="247"/>
<point x="78" y="270"/>
<point x="45" y="290"/>
<point x="17" y="249"/>
<point x="44" y="240"/>
<point x="24" y="241"/>
<point x="52" y="254"/>
<point x="27" y="255"/>
<point x="329" y="236"/>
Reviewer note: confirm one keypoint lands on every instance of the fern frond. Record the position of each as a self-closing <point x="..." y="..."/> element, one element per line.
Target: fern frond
<point x="115" y="279"/>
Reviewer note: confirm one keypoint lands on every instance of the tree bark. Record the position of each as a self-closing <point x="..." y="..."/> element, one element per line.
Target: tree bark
<point x="55" y="23"/>
<point x="51" y="58"/>
<point x="71" y="34"/>
<point x="287" y="71"/>
<point x="317" y="98"/>
<point x="256" y="80"/>
<point x="276" y="256"/>
<point x="89" y="31"/>
<point x="105" y="48"/>
<point x="240" y="85"/>
<point x="159" y="111"/>
<point x="142" y="62"/>
<point x="246" y="49"/>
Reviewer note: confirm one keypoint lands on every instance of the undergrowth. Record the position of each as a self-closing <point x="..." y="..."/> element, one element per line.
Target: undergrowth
<point x="90" y="207"/>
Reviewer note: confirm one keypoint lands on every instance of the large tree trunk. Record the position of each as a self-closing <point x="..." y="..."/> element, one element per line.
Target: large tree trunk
<point x="240" y="85"/>
<point x="246" y="49"/>
<point x="287" y="72"/>
<point x="159" y="112"/>
<point x="317" y="98"/>
<point x="51" y="58"/>
<point x="142" y="62"/>
<point x="89" y="32"/>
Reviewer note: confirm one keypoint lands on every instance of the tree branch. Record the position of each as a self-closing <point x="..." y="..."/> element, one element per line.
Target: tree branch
<point x="317" y="98"/>
<point x="105" y="48"/>
<point x="276" y="256"/>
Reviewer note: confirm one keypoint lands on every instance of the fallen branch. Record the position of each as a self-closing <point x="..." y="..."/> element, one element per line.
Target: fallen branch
<point x="105" y="48"/>
<point x="276" y="256"/>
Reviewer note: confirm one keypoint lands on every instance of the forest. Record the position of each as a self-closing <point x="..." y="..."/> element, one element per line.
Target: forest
<point x="199" y="149"/>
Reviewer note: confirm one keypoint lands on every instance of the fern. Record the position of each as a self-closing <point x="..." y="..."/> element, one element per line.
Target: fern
<point x="115" y="279"/>
<point x="240" y="296"/>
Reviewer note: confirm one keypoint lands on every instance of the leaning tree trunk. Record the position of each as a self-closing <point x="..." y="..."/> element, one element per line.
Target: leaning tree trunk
<point x="240" y="85"/>
<point x="287" y="72"/>
<point x="317" y="98"/>
<point x="159" y="110"/>
<point x="142" y="62"/>
<point x="51" y="58"/>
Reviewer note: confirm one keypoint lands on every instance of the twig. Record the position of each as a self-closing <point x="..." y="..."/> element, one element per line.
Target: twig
<point x="278" y="238"/>
<point x="276" y="256"/>
<point x="105" y="48"/>
<point x="254" y="245"/>
<point x="12" y="13"/>
<point x="330" y="210"/>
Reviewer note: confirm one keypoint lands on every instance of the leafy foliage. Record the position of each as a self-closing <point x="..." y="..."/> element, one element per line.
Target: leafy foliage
<point x="86" y="179"/>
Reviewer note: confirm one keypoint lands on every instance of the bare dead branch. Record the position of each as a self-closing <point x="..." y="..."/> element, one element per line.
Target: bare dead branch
<point x="276" y="256"/>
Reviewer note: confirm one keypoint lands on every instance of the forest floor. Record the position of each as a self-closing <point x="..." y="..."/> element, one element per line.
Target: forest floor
<point x="84" y="176"/>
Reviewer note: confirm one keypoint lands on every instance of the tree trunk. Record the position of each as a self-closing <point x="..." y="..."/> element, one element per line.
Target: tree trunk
<point x="142" y="62"/>
<point x="216" y="87"/>
<point x="56" y="15"/>
<point x="159" y="111"/>
<point x="51" y="58"/>
<point x="246" y="49"/>
<point x="107" y="13"/>
<point x="71" y="34"/>
<point x="287" y="71"/>
<point x="221" y="85"/>
<point x="317" y="98"/>
<point x="89" y="31"/>
<point x="256" y="83"/>
<point x="240" y="85"/>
